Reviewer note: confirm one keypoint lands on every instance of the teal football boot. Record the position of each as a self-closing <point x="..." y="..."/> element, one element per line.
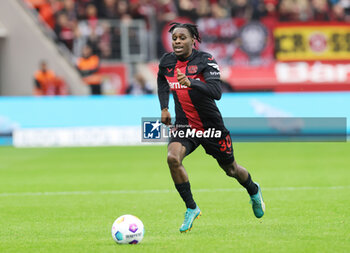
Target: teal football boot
<point x="258" y="203"/>
<point x="190" y="216"/>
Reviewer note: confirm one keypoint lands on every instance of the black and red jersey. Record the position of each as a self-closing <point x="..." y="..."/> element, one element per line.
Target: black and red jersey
<point x="195" y="105"/>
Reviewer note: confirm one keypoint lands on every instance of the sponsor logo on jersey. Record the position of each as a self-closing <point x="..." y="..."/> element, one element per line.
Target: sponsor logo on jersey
<point x="176" y="85"/>
<point x="213" y="65"/>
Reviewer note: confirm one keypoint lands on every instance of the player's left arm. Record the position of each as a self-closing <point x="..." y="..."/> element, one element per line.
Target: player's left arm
<point x="212" y="85"/>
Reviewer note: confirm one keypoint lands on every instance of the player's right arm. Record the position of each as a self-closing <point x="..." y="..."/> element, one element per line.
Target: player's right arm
<point x="166" y="117"/>
<point x="163" y="96"/>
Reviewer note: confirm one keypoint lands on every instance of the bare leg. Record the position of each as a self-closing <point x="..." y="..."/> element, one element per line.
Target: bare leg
<point x="176" y="153"/>
<point x="242" y="175"/>
<point x="237" y="171"/>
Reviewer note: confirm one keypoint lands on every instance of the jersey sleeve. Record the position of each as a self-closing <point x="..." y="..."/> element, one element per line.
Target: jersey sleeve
<point x="211" y="70"/>
<point x="211" y="74"/>
<point x="163" y="89"/>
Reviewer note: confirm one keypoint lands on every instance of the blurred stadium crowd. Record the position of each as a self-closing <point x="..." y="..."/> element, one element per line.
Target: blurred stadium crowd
<point x="64" y="16"/>
<point x="237" y="32"/>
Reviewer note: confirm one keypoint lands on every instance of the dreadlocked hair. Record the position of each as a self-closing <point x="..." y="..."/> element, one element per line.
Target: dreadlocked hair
<point x="193" y="30"/>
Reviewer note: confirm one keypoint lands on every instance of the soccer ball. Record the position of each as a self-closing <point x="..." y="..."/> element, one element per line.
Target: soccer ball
<point x="128" y="229"/>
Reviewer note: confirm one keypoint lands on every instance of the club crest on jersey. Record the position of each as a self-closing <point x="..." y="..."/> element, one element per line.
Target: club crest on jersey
<point x="192" y="69"/>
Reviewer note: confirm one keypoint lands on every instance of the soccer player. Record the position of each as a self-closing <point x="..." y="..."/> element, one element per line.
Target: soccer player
<point x="194" y="79"/>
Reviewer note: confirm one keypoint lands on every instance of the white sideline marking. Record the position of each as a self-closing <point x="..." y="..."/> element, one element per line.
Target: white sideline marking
<point x="301" y="188"/>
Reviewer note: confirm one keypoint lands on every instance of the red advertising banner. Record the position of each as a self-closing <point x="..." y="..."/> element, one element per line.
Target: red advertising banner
<point x="114" y="78"/>
<point x="296" y="76"/>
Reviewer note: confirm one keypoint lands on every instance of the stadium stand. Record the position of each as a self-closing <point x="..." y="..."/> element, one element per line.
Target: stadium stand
<point x="24" y="46"/>
<point x="157" y="13"/>
<point x="245" y="36"/>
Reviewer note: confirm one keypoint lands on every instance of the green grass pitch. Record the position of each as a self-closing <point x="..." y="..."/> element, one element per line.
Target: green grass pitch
<point x="66" y="199"/>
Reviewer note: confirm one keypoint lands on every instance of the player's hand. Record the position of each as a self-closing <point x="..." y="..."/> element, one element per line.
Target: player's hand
<point x="182" y="78"/>
<point x="166" y="118"/>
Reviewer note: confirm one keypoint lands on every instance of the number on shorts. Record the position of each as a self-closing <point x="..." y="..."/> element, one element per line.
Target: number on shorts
<point x="226" y="144"/>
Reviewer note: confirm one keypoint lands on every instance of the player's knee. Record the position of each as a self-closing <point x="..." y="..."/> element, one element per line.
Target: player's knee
<point x="173" y="161"/>
<point x="230" y="170"/>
